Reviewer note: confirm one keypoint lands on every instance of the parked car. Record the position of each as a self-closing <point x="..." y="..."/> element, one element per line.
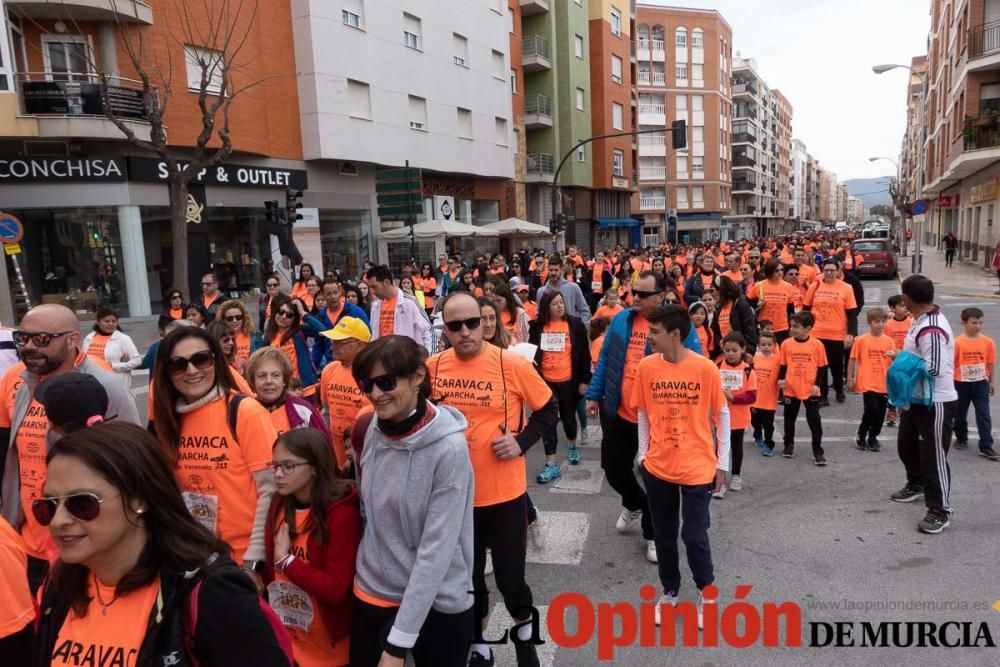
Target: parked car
<point x="878" y="257"/>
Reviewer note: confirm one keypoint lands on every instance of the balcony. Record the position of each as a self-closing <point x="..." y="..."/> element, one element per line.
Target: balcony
<point x="539" y="168"/>
<point x="744" y="111"/>
<point x="118" y="11"/>
<point x="537" y="112"/>
<point x="743" y="161"/>
<point x="743" y="186"/>
<point x="652" y="173"/>
<point x="647" y="49"/>
<point x="75" y="107"/>
<point x="646" y="78"/>
<point x="652" y="203"/>
<point x="652" y="145"/>
<point x="652" y="114"/>
<point x="532" y="7"/>
<point x="984" y="47"/>
<point x="744" y="138"/>
<point x="535" y="54"/>
<point x="743" y="89"/>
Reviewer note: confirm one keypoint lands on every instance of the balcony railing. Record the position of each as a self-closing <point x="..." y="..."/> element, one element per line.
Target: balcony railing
<point x="744" y="111"/>
<point x="978" y="138"/>
<point x="80" y="94"/>
<point x="652" y="203"/>
<point x="535" y="55"/>
<point x="537" y="111"/>
<point x="984" y="39"/>
<point x="746" y="186"/>
<point x="647" y="78"/>
<point x="743" y="161"/>
<point x="744" y="87"/>
<point x="652" y="173"/>
<point x="743" y="138"/>
<point x="540" y="163"/>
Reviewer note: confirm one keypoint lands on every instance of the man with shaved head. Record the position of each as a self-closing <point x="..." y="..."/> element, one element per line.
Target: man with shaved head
<point x="48" y="344"/>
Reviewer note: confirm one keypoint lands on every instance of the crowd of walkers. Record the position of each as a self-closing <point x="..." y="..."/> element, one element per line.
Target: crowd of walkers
<point x="331" y="480"/>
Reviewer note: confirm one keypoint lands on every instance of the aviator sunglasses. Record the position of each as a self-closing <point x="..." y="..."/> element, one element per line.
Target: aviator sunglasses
<point x="83" y="506"/>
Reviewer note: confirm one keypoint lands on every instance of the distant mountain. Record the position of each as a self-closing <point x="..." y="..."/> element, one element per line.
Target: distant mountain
<point x="872" y="191"/>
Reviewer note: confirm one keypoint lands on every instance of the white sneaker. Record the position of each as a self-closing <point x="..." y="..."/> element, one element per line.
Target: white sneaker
<point x="583" y="435"/>
<point x="701" y="614"/>
<point x="536" y="535"/>
<point x="669" y="599"/>
<point x="721" y="493"/>
<point x="736" y="483"/>
<point x="489" y="562"/>
<point x="651" y="551"/>
<point x="626" y="520"/>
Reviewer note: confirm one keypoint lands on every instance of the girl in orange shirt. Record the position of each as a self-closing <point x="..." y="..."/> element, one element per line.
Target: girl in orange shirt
<point x="299" y="288"/>
<point x="236" y="316"/>
<point x="698" y="312"/>
<point x="426" y="283"/>
<point x="739" y="383"/>
<point x="610" y="306"/>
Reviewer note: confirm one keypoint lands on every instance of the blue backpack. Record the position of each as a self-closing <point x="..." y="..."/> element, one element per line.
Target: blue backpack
<point x="908" y="381"/>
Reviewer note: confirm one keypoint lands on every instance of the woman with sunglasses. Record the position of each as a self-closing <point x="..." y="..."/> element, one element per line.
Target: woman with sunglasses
<point x="287" y="332"/>
<point x="237" y="317"/>
<point x="107" y="343"/>
<point x="272" y="289"/>
<point x="416" y="496"/>
<point x="219" y="442"/>
<point x="313" y="530"/>
<point x="221" y="333"/>
<point x="300" y="287"/>
<point x="269" y="373"/>
<point x="774" y="298"/>
<point x="138" y="579"/>
<point x="174" y="300"/>
<point x="426" y="283"/>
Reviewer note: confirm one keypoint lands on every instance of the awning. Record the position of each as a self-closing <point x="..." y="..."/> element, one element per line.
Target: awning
<point x="607" y="223"/>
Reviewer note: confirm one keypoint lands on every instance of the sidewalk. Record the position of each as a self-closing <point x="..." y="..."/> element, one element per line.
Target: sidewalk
<point x="962" y="279"/>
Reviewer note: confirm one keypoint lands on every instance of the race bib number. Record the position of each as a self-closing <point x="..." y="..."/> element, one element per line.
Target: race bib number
<point x="973" y="372"/>
<point x="732" y="380"/>
<point x="596" y="286"/>
<point x="553" y="342"/>
<point x="292" y="605"/>
<point x="204" y="509"/>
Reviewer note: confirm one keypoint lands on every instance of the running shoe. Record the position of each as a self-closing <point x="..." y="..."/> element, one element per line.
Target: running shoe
<point x="824" y="402"/>
<point x="549" y="472"/>
<point x="536" y="536"/>
<point x="721" y="493"/>
<point x="908" y="494"/>
<point x="668" y="599"/>
<point x="759" y="442"/>
<point x="573" y="453"/>
<point x="700" y="604"/>
<point x="488" y="569"/>
<point x="479" y="660"/>
<point x="819" y="460"/>
<point x="874" y="445"/>
<point x="767" y="451"/>
<point x="626" y="520"/>
<point x="935" y="521"/>
<point x="859" y="442"/>
<point x="736" y="483"/>
<point x="841" y="397"/>
<point x="788" y="452"/>
<point x="989" y="453"/>
<point x="583" y="435"/>
<point x="961" y="444"/>
<point x="891" y="423"/>
<point x="651" y="551"/>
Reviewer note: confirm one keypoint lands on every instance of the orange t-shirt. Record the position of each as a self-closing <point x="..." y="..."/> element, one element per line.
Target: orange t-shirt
<point x="532" y="309"/>
<point x="492" y="391"/>
<point x="775" y="299"/>
<point x="830" y="303"/>
<point x="870" y="353"/>
<point x="897" y="329"/>
<point x="808" y="273"/>
<point x="679" y="400"/>
<point x="735" y="276"/>
<point x="238" y="382"/>
<point x="242" y="342"/>
<point x="724" y="314"/>
<point x="97" y="345"/>
<point x="738" y="380"/>
<point x="215" y="471"/>
<point x="176" y="313"/>
<point x="974" y="358"/>
<point x="427" y="286"/>
<point x="279" y="417"/>
<point x="608" y="311"/>
<point x="595" y="351"/>
<point x="288" y="347"/>
<point x="16" y="606"/>
<point x="803" y="360"/>
<point x="387" y="317"/>
<point x="208" y="300"/>
<point x="109" y="635"/>
<point x="510" y="324"/>
<point x="766" y="369"/>
<point x="705" y="338"/>
<point x="707" y="280"/>
<point x="343" y="400"/>
<point x="633" y="355"/>
<point x="557" y="357"/>
<point x="307" y="301"/>
<point x="299" y="610"/>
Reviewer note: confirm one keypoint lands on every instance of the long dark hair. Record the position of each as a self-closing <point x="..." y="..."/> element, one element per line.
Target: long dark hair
<point x="326" y="486"/>
<point x="501" y="338"/>
<point x="728" y="291"/>
<point x="510" y="303"/>
<point x="271" y="328"/>
<point x="544" y="307"/>
<point x="218" y="330"/>
<point x="312" y="272"/>
<point x="128" y="457"/>
<point x="167" y="420"/>
<point x="400" y="357"/>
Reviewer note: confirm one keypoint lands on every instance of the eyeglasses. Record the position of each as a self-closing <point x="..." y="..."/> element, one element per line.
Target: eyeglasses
<point x="471" y="324"/>
<point x="287" y="467"/>
<point x="226" y="340"/>
<point x="177" y="297"/>
<point x="207" y="284"/>
<point x="38" y="338"/>
<point x="285" y="313"/>
<point x="234" y="318"/>
<point x="383" y="382"/>
<point x="669" y="300"/>
<point x="200" y="360"/>
<point x="272" y="284"/>
<point x="83" y="506"/>
<point x="643" y="295"/>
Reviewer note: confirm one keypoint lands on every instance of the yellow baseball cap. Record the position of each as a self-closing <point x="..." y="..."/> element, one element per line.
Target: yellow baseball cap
<point x="349" y="327"/>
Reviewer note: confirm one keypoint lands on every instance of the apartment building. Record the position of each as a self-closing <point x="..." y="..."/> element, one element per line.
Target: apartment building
<point x="910" y="175"/>
<point x="855" y="211"/>
<point x="683" y="59"/>
<point x="515" y="191"/>
<point x="782" y="151"/>
<point x="798" y="178"/>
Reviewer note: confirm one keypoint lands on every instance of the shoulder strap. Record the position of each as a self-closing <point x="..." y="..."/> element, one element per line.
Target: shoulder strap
<point x="358" y="431"/>
<point x="232" y="412"/>
<point x="191" y="618"/>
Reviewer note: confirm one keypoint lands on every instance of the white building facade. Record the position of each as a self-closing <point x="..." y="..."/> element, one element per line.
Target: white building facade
<point x="800" y="161"/>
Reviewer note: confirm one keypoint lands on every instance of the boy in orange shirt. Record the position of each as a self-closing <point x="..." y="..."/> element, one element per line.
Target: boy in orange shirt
<point x="871" y="355"/>
<point x="896" y="328"/>
<point x="739" y="384"/>
<point x="766" y="365"/>
<point x="975" y="361"/>
<point x="802" y="371"/>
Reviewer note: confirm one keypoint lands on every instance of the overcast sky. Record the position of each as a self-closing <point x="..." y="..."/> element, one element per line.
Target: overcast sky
<point x="820" y="53"/>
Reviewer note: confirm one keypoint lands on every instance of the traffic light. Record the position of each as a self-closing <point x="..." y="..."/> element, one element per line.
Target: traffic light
<point x="671" y="227"/>
<point x="292" y="205"/>
<point x="558" y="223"/>
<point x="280" y="224"/>
<point x="678" y="134"/>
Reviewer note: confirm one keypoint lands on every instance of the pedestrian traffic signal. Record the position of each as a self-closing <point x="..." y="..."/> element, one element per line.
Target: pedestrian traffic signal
<point x="558" y="223"/>
<point x="292" y="205"/>
<point x="678" y="134"/>
<point x="280" y="223"/>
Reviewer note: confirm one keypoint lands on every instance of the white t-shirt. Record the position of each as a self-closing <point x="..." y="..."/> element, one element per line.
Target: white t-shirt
<point x="931" y="339"/>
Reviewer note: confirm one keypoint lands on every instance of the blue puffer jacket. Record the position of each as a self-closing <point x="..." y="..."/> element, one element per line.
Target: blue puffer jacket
<point x="606" y="383"/>
<point x="314" y="325"/>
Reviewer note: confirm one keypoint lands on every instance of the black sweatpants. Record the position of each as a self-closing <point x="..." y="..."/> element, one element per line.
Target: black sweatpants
<point x="835" y="362"/>
<point x="619" y="446"/>
<point x="736" y="450"/>
<point x="812" y="418"/>
<point x="763" y="425"/>
<point x="501" y="528"/>
<point x="873" y="415"/>
<point x="923" y="441"/>
<point x="567" y="397"/>
<point x="444" y="638"/>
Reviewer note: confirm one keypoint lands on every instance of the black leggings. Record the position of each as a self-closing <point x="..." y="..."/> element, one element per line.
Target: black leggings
<point x="763" y="425"/>
<point x="736" y="449"/>
<point x="812" y="418"/>
<point x="835" y="362"/>
<point x="567" y="396"/>
<point x="502" y="529"/>
<point x="444" y="638"/>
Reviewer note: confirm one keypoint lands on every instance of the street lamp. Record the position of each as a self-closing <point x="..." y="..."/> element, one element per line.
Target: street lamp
<point x="873" y="159"/>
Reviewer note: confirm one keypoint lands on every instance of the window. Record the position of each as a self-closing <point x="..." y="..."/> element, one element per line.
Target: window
<point x="682" y="166"/>
<point x="698" y="165"/>
<point x="352" y="12"/>
<point x="618" y="167"/>
<point x="682" y="71"/>
<point x="697" y="134"/>
<point x="411" y="31"/>
<point x="616" y="69"/>
<point x="580" y="98"/>
<point x="578" y="45"/>
<point x="698" y="197"/>
<point x="616" y="21"/>
<point x="461" y="47"/>
<point x="682" y="197"/>
<point x="464" y="123"/>
<point x="680" y="37"/>
<point x="510" y="20"/>
<point x="697" y="102"/>
<point x="681" y="103"/>
<point x="500" y="128"/>
<point x="418" y="113"/>
<point x="200" y="62"/>
<point x="617" y="112"/>
<point x="359" y="99"/>
<point x="581" y="154"/>
<point x="697" y="39"/>
<point x="499" y="66"/>
<point x="513" y="81"/>
<point x="697" y="72"/>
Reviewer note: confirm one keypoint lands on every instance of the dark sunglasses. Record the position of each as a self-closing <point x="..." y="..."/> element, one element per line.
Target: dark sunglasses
<point x="234" y="318"/>
<point x="471" y="324"/>
<point x="383" y="382"/>
<point x="207" y="284"/>
<point x="201" y="360"/>
<point x="273" y="284"/>
<point x="38" y="339"/>
<point x="285" y="313"/>
<point x="83" y="506"/>
<point x="642" y="295"/>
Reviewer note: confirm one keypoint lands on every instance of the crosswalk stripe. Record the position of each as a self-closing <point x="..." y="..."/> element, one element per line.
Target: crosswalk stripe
<point x="585" y="478"/>
<point x="564" y="535"/>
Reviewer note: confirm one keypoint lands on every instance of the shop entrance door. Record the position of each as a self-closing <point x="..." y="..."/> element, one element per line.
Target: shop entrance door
<point x="199" y="262"/>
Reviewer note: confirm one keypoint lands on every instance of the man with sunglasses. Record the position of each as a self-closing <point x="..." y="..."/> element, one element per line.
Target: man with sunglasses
<point x="211" y="297"/>
<point x="48" y="344"/>
<point x="492" y="388"/>
<point x="396" y="312"/>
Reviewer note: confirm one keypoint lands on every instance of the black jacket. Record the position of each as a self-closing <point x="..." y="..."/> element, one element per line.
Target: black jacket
<point x="231" y="627"/>
<point x="579" y="347"/>
<point x="693" y="289"/>
<point x="742" y="319"/>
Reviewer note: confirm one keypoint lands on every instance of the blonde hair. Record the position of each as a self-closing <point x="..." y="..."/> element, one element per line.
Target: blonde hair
<point x="265" y="354"/>
<point x="247" y="327"/>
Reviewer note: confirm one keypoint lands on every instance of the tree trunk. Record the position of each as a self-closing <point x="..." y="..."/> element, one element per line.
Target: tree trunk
<point x="178" y="234"/>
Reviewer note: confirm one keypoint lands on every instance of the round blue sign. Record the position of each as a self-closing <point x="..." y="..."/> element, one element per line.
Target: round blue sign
<point x="918" y="207"/>
<point x="11" y="230"/>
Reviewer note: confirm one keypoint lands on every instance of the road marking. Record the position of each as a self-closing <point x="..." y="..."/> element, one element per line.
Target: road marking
<point x="501" y="622"/>
<point x="564" y="535"/>
<point x="585" y="478"/>
<point x="873" y="295"/>
<point x="139" y="391"/>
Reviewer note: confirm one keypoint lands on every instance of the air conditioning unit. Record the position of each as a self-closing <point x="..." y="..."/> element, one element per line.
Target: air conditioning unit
<point x="414" y="125"/>
<point x="459" y="60"/>
<point x="348" y="169"/>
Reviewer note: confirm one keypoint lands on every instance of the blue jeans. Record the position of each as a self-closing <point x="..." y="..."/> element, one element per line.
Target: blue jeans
<point x="978" y="394"/>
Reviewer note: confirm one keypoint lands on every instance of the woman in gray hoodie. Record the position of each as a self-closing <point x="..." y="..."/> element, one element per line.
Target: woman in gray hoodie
<point x="415" y="560"/>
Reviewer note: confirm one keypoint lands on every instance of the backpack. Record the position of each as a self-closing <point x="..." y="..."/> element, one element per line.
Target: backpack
<point x="232" y="411"/>
<point x="908" y="382"/>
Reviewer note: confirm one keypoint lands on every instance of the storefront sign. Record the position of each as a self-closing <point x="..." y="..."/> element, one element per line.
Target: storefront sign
<point x="196" y="203"/>
<point x="73" y="98"/>
<point x="62" y="170"/>
<point x="947" y="201"/>
<point x="984" y="191"/>
<point x="151" y="170"/>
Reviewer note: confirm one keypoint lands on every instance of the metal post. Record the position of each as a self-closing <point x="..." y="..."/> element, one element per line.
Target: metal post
<point x="409" y="208"/>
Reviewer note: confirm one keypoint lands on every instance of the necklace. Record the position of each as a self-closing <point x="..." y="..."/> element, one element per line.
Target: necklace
<point x="100" y="600"/>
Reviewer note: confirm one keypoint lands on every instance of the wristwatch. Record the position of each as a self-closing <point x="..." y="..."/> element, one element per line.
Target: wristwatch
<point x="253" y="566"/>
